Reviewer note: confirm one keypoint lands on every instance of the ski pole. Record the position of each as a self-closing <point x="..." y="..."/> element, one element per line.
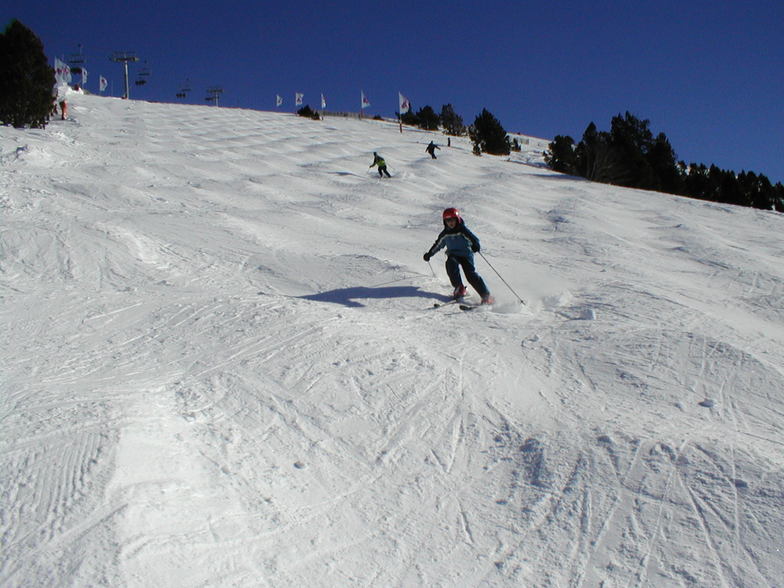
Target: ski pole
<point x="432" y="271"/>
<point x="502" y="279"/>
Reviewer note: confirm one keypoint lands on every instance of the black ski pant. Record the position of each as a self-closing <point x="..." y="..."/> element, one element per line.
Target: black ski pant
<point x="453" y="265"/>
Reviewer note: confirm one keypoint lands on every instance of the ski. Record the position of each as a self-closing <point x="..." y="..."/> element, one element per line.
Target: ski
<point x="442" y="304"/>
<point x="474" y="306"/>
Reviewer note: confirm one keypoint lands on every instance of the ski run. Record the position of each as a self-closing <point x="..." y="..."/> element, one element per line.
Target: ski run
<point x="221" y="366"/>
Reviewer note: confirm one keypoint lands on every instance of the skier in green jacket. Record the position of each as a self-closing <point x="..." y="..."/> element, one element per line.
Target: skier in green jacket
<point x="382" y="165"/>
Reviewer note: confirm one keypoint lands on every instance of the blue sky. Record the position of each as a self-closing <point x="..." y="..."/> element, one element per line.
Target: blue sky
<point x="710" y="75"/>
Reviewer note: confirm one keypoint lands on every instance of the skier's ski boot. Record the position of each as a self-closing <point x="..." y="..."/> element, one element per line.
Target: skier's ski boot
<point x="488" y="299"/>
<point x="459" y="292"/>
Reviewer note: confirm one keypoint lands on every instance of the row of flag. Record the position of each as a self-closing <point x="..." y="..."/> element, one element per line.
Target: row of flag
<point x="364" y="101"/>
<point x="62" y="75"/>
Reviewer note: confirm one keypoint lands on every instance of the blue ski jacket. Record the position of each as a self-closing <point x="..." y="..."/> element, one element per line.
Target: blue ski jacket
<point x="459" y="242"/>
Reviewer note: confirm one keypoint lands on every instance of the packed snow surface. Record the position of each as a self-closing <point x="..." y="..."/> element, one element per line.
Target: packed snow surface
<point x="221" y="364"/>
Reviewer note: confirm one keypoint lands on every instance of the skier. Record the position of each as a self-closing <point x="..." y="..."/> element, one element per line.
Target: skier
<point x="461" y="244"/>
<point x="382" y="165"/>
<point x="431" y="149"/>
<point x="60" y="92"/>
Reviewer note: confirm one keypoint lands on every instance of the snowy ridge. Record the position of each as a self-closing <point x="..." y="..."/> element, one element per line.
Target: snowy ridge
<point x="221" y="365"/>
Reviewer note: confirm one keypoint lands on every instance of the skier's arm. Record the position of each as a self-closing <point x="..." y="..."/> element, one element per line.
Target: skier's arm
<point x="475" y="245"/>
<point x="436" y="247"/>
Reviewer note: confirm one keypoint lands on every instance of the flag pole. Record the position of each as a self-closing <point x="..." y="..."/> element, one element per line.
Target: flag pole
<point x="402" y="101"/>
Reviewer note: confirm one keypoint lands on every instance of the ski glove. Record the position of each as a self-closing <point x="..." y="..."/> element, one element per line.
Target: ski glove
<point x="426" y="256"/>
<point x="475" y="248"/>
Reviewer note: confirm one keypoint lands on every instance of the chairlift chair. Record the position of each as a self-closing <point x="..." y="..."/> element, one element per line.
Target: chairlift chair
<point x="143" y="75"/>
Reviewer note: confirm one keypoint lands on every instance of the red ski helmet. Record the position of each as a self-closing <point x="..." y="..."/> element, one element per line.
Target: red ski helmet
<point x="451" y="213"/>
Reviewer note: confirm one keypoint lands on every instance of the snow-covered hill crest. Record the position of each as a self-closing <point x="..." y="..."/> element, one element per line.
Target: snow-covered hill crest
<point x="222" y="365"/>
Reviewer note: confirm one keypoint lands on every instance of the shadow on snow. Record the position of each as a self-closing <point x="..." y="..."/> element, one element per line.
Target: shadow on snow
<point x="350" y="296"/>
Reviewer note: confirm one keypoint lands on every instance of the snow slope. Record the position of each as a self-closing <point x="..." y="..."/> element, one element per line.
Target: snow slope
<point x="221" y="365"/>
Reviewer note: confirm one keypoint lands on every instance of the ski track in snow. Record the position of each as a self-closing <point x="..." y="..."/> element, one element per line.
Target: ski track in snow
<point x="221" y="365"/>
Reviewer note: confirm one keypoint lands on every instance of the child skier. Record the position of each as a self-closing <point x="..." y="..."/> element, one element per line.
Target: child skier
<point x="461" y="244"/>
<point x="382" y="165"/>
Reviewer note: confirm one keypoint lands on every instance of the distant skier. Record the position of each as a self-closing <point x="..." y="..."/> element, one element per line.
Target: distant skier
<point x="382" y="165"/>
<point x="60" y="93"/>
<point x="431" y="149"/>
<point x="461" y="244"/>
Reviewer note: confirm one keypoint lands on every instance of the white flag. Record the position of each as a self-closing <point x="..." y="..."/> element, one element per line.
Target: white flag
<point x="278" y="100"/>
<point x="298" y="98"/>
<point x="102" y="83"/>
<point x="405" y="105"/>
<point x="62" y="72"/>
<point x="323" y="102"/>
<point x="365" y="102"/>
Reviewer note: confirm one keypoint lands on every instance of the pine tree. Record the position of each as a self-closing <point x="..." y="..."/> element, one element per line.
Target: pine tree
<point x="561" y="156"/>
<point x="488" y="135"/>
<point x="662" y="158"/>
<point x="451" y="121"/>
<point x="26" y="79"/>
<point x="428" y="119"/>
<point x="630" y="156"/>
<point x="308" y="112"/>
<point x="697" y="183"/>
<point x="410" y="118"/>
<point x="598" y="159"/>
<point x="632" y="140"/>
<point x="778" y="196"/>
